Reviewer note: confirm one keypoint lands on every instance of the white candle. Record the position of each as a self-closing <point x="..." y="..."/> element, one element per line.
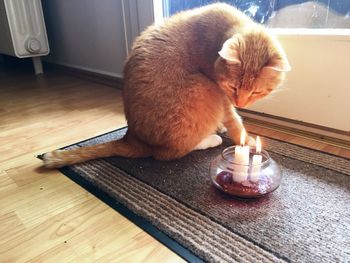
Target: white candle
<point x="241" y="160"/>
<point x="256" y="163"/>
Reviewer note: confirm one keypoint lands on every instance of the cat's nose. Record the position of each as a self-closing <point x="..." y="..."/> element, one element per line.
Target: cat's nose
<point x="240" y="103"/>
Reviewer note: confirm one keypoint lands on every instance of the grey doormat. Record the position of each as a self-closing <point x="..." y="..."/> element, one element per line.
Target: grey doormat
<point x="307" y="219"/>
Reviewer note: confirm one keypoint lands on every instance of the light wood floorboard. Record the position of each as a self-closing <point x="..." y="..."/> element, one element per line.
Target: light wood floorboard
<point x="45" y="217"/>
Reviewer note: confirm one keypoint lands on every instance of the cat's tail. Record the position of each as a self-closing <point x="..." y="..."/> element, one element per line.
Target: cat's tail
<point x="123" y="147"/>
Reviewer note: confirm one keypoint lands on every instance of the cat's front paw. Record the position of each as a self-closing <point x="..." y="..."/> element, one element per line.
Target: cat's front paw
<point x="251" y="141"/>
<point x="248" y="140"/>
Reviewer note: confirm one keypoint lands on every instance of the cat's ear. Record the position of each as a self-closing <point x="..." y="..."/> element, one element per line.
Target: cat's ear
<point x="279" y="65"/>
<point x="229" y="51"/>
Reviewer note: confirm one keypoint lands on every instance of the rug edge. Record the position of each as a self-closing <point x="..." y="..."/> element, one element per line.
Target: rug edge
<point x="139" y="221"/>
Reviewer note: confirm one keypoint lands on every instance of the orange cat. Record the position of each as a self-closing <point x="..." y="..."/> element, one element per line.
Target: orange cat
<point x="181" y="81"/>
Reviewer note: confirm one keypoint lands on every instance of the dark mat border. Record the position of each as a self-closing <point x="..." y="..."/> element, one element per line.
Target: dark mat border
<point x="141" y="222"/>
<point x="130" y="215"/>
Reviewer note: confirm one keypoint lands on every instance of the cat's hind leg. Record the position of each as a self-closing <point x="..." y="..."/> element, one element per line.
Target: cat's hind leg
<point x="170" y="153"/>
<point x="196" y="111"/>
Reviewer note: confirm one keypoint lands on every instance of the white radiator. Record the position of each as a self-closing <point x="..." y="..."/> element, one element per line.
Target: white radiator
<point x="22" y="29"/>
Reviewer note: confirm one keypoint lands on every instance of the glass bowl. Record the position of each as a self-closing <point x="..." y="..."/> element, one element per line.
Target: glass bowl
<point x="247" y="181"/>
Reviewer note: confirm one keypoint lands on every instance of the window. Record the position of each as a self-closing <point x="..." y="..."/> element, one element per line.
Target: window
<point x="280" y="13"/>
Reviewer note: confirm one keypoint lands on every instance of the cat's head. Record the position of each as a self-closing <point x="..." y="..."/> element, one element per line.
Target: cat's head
<point x="251" y="64"/>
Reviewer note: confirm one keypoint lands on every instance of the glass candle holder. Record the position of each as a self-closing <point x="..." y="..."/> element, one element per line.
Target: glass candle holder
<point x="247" y="181"/>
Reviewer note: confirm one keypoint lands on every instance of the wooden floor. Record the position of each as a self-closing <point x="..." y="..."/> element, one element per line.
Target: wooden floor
<point x="43" y="215"/>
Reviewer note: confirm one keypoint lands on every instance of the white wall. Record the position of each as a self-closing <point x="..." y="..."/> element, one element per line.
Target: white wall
<point x="317" y="89"/>
<point x="86" y="34"/>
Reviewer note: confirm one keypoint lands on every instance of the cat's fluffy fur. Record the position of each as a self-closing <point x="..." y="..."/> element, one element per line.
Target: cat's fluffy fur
<point x="181" y="81"/>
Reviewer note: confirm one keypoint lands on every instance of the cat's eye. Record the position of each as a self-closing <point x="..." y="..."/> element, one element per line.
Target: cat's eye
<point x="256" y="93"/>
<point x="235" y="92"/>
<point x="234" y="88"/>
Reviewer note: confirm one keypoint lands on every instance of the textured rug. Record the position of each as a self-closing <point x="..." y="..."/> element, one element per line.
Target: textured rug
<point x="307" y="219"/>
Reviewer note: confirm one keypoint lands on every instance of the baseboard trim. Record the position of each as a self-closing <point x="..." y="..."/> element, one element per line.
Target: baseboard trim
<point x="302" y="129"/>
<point x="102" y="78"/>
